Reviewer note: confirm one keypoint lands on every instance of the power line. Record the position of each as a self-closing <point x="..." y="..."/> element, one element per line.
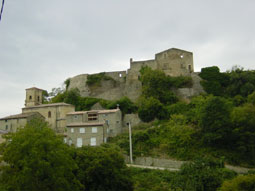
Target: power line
<point x="2" y="10"/>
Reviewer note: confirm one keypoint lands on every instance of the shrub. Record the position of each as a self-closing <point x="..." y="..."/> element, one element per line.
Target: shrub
<point x="204" y="174"/>
<point x="95" y="79"/>
<point x="240" y="183"/>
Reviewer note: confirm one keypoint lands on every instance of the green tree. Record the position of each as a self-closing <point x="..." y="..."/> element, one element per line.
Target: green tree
<point x="215" y="121"/>
<point x="38" y="160"/>
<point x="102" y="169"/>
<point x="156" y="84"/>
<point x="243" y="119"/>
<point x="151" y="108"/>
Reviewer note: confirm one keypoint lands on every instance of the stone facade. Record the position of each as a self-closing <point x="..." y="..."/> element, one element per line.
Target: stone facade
<point x="173" y="62"/>
<point x="93" y="127"/>
<point x="54" y="114"/>
<point x="13" y="122"/>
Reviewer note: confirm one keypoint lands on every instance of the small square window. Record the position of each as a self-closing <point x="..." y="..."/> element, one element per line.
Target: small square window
<point x="72" y="130"/>
<point x="82" y="130"/>
<point x="94" y="129"/>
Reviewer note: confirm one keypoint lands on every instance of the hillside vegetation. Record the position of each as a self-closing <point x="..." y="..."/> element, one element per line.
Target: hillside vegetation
<point x="220" y="123"/>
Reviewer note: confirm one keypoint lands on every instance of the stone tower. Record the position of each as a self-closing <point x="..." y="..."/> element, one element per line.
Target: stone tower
<point x="33" y="97"/>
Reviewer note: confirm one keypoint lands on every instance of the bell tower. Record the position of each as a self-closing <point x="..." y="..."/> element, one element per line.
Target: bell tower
<point x="33" y="97"/>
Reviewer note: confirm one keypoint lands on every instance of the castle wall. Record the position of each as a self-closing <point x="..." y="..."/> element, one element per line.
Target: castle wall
<point x="175" y="62"/>
<point x="119" y="76"/>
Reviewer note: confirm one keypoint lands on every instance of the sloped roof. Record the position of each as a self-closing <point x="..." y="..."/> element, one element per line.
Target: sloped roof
<point x="48" y="105"/>
<point x="21" y="115"/>
<point x="94" y="111"/>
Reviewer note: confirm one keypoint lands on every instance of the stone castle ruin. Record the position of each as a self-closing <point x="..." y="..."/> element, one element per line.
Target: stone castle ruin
<point x="173" y="62"/>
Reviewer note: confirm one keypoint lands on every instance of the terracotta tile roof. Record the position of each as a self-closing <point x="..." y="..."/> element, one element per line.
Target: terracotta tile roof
<point x="84" y="124"/>
<point x="94" y="111"/>
<point x="21" y="115"/>
<point x="48" y="105"/>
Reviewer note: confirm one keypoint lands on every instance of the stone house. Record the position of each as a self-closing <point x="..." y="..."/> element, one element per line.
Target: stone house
<point x="92" y="127"/>
<point x="13" y="122"/>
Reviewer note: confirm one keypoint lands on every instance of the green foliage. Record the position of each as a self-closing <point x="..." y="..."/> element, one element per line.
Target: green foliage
<point x="214" y="81"/>
<point x="125" y="104"/>
<point x="240" y="183"/>
<point x="243" y="119"/>
<point x="102" y="168"/>
<point x="151" y="108"/>
<point x="204" y="174"/>
<point x="95" y="79"/>
<point x="179" y="138"/>
<point x="153" y="180"/>
<point x="45" y="95"/>
<point x="38" y="160"/>
<point x="251" y="98"/>
<point x="67" y="82"/>
<point x="215" y="121"/>
<point x="178" y="108"/>
<point x="157" y="85"/>
<point x="230" y="84"/>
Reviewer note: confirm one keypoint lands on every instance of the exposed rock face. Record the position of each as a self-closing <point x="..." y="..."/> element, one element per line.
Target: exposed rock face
<point x="173" y="62"/>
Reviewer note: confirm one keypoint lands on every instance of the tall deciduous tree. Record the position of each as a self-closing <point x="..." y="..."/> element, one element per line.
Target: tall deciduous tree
<point x="215" y="121"/>
<point x="102" y="169"/>
<point x="38" y="160"/>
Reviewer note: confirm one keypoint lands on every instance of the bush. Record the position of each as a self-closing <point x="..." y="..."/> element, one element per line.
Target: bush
<point x="240" y="183"/>
<point x="151" y="108"/>
<point x="95" y="79"/>
<point x="204" y="174"/>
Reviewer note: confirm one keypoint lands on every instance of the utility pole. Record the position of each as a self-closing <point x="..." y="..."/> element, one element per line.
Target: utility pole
<point x="130" y="143"/>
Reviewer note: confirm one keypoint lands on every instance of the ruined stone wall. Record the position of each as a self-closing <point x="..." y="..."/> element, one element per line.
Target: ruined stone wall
<point x="174" y="62"/>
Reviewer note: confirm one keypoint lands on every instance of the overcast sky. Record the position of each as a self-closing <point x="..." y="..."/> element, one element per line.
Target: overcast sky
<point x="42" y="43"/>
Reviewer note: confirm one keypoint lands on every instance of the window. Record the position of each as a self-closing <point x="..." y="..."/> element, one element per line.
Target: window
<point x="79" y="142"/>
<point x="72" y="130"/>
<point x="93" y="141"/>
<point x="70" y="142"/>
<point x="30" y="97"/>
<point x="92" y="116"/>
<point x="94" y="129"/>
<point x="107" y="122"/>
<point x="6" y="120"/>
<point x="65" y="140"/>
<point x="6" y="127"/>
<point x="82" y="130"/>
<point x="38" y="98"/>
<point x="75" y="117"/>
<point x="49" y="114"/>
<point x="117" y="121"/>
<point x="120" y="75"/>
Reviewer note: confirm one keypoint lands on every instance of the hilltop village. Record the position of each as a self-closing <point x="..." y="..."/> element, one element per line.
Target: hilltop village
<point x="95" y="126"/>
